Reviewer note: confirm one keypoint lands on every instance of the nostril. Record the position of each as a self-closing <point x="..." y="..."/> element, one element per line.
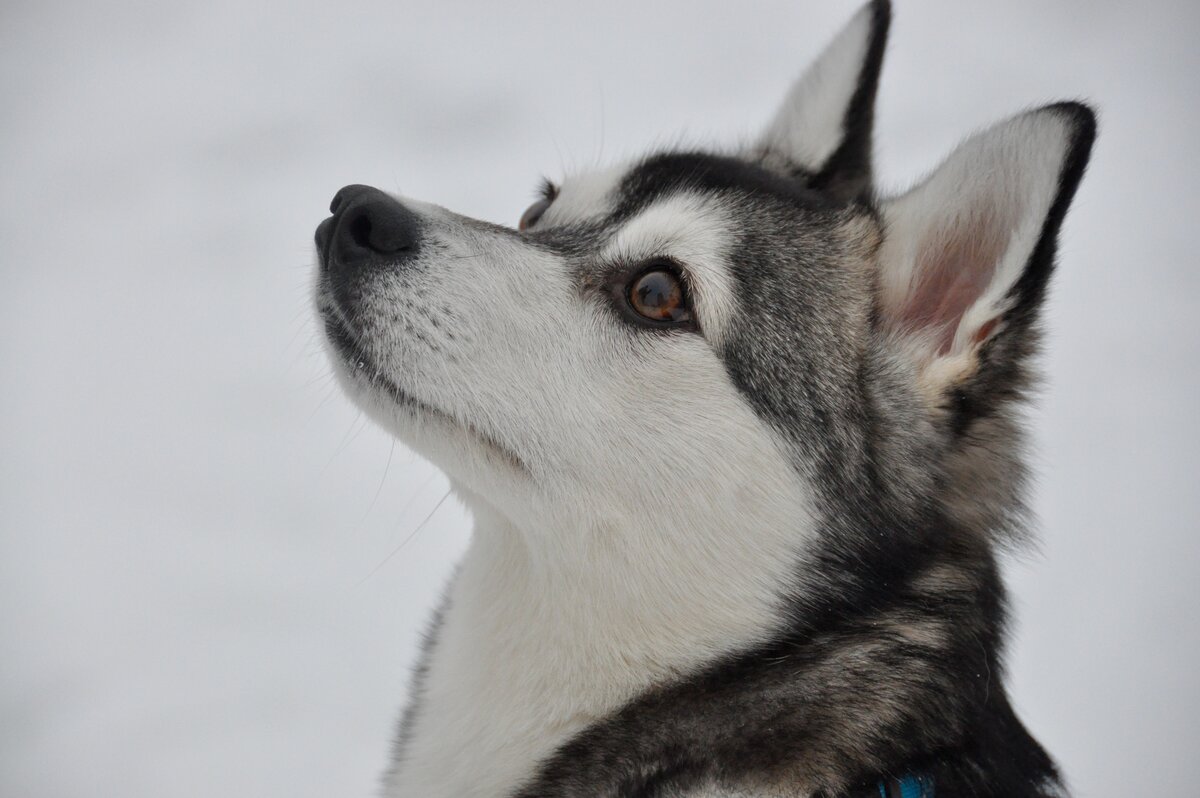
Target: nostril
<point x="384" y="227"/>
<point x="360" y="231"/>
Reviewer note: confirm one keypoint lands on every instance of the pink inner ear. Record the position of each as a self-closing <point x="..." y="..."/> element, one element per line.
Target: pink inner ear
<point x="951" y="275"/>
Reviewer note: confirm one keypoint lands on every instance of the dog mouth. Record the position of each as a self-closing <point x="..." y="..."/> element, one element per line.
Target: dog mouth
<point x="355" y="359"/>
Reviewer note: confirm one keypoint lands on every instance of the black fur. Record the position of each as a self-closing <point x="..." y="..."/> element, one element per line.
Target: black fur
<point x="416" y="686"/>
<point x="673" y="172"/>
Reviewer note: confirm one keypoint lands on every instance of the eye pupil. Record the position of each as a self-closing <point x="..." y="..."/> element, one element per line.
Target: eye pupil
<point x="658" y="295"/>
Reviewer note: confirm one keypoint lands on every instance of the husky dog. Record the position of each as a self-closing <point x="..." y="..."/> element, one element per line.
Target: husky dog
<point x="740" y="439"/>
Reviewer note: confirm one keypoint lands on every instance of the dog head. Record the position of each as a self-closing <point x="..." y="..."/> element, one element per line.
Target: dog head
<point x="693" y="332"/>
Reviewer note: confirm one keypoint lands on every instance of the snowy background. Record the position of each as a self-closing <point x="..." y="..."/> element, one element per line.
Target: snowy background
<point x="190" y="513"/>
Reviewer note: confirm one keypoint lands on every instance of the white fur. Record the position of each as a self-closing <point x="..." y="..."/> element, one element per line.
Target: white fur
<point x="647" y="524"/>
<point x="807" y="129"/>
<point x="585" y="197"/>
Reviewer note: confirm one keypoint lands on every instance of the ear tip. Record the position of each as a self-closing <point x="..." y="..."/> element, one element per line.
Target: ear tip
<point x="874" y="18"/>
<point x="1078" y="127"/>
<point x="881" y="11"/>
<point x="1081" y="120"/>
<point x="1081" y="116"/>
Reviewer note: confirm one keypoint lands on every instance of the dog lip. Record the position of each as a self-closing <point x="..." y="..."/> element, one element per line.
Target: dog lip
<point x="342" y="336"/>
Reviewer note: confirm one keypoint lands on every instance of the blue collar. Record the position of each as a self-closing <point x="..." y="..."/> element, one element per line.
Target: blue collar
<point x="908" y="786"/>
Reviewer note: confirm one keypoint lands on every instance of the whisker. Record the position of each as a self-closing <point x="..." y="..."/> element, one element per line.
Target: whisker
<point x="345" y="440"/>
<point x="382" y="480"/>
<point x="328" y="395"/>
<point x="404" y="542"/>
<point x="320" y="376"/>
<point x="416" y="494"/>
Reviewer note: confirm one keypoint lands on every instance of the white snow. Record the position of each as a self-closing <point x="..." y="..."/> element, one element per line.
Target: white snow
<point x="189" y="511"/>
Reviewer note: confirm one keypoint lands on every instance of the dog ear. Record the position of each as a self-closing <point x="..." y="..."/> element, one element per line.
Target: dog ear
<point x="967" y="254"/>
<point x="823" y="129"/>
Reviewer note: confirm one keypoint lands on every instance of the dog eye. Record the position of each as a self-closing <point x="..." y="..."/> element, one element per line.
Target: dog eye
<point x="659" y="295"/>
<point x="533" y="213"/>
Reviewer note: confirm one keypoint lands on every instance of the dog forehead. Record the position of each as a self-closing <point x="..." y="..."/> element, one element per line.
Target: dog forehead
<point x="706" y="173"/>
<point x="611" y="195"/>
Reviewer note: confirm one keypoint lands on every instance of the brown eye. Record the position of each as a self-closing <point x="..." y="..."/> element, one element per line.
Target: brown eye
<point x="533" y="213"/>
<point x="659" y="295"/>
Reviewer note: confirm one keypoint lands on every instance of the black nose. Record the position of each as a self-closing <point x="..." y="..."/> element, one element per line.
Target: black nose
<point x="367" y="227"/>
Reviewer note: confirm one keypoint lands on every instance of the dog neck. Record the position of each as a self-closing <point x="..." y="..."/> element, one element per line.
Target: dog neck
<point x="548" y="628"/>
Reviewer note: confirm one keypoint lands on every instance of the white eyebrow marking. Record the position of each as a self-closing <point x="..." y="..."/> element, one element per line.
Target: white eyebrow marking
<point x="693" y="230"/>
